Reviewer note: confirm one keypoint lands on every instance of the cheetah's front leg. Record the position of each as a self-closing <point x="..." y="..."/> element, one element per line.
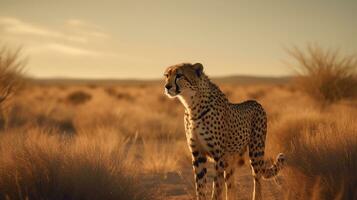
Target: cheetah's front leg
<point x="218" y="181"/>
<point x="199" y="162"/>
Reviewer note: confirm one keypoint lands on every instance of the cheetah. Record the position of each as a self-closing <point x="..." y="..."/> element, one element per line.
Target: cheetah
<point x="220" y="131"/>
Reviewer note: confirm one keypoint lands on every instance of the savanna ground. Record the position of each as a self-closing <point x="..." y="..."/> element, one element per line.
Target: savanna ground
<point x="125" y="140"/>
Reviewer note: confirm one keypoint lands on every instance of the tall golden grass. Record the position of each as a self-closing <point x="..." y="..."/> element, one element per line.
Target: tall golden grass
<point x="42" y="164"/>
<point x="322" y="153"/>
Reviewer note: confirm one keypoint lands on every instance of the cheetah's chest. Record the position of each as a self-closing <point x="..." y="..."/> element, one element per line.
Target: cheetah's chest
<point x="208" y="133"/>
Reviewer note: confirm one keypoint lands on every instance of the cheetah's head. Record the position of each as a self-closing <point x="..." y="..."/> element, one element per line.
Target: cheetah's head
<point x="182" y="79"/>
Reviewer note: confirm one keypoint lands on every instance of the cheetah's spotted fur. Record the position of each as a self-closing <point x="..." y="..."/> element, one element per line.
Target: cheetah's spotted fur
<point x="220" y="130"/>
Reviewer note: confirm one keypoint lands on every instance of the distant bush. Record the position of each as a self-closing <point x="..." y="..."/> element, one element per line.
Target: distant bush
<point x="78" y="97"/>
<point x="125" y="96"/>
<point x="110" y="91"/>
<point x="119" y="95"/>
<point x="258" y="94"/>
<point x="325" y="75"/>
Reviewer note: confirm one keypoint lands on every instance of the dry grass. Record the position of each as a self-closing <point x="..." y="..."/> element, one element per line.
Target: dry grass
<point x="321" y="148"/>
<point x="42" y="164"/>
<point x="324" y="74"/>
<point x="155" y="161"/>
<point x="128" y="142"/>
<point x="319" y="143"/>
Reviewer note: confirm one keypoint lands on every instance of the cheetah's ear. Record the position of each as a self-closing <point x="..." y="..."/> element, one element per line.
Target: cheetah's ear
<point x="198" y="67"/>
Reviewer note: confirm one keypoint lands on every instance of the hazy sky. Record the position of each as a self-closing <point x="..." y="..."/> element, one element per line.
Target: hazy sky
<point x="138" y="39"/>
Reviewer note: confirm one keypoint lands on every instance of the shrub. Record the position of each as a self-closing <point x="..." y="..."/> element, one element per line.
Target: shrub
<point x="78" y="97"/>
<point x="10" y="77"/>
<point x="325" y="75"/>
<point x="10" y="72"/>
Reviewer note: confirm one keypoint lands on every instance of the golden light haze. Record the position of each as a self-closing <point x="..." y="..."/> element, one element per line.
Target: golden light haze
<point x="138" y="39"/>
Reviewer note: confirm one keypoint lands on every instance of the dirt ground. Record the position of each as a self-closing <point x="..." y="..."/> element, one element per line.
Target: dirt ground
<point x="180" y="185"/>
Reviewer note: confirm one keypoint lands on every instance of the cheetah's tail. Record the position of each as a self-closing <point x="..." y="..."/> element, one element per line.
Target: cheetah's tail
<point x="275" y="168"/>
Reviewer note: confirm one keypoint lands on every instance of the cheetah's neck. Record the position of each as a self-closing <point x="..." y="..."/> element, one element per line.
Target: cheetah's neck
<point x="207" y="95"/>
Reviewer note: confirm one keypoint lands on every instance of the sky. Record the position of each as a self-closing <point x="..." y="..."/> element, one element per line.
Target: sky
<point x="139" y="39"/>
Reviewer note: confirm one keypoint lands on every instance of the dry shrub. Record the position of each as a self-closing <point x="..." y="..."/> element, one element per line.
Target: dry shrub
<point x="325" y="75"/>
<point x="92" y="86"/>
<point x="78" y="97"/>
<point x="10" y="72"/>
<point x="321" y="152"/>
<point x="40" y="164"/>
<point x="63" y="87"/>
<point x="258" y="94"/>
<point x="111" y="91"/>
<point x="10" y="77"/>
<point x="125" y="96"/>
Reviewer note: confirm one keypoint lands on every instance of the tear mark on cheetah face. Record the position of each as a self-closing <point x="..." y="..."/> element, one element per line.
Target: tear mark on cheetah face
<point x="182" y="79"/>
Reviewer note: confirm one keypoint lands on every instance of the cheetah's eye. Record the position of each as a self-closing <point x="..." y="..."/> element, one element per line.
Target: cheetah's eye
<point x="179" y="75"/>
<point x="166" y="75"/>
